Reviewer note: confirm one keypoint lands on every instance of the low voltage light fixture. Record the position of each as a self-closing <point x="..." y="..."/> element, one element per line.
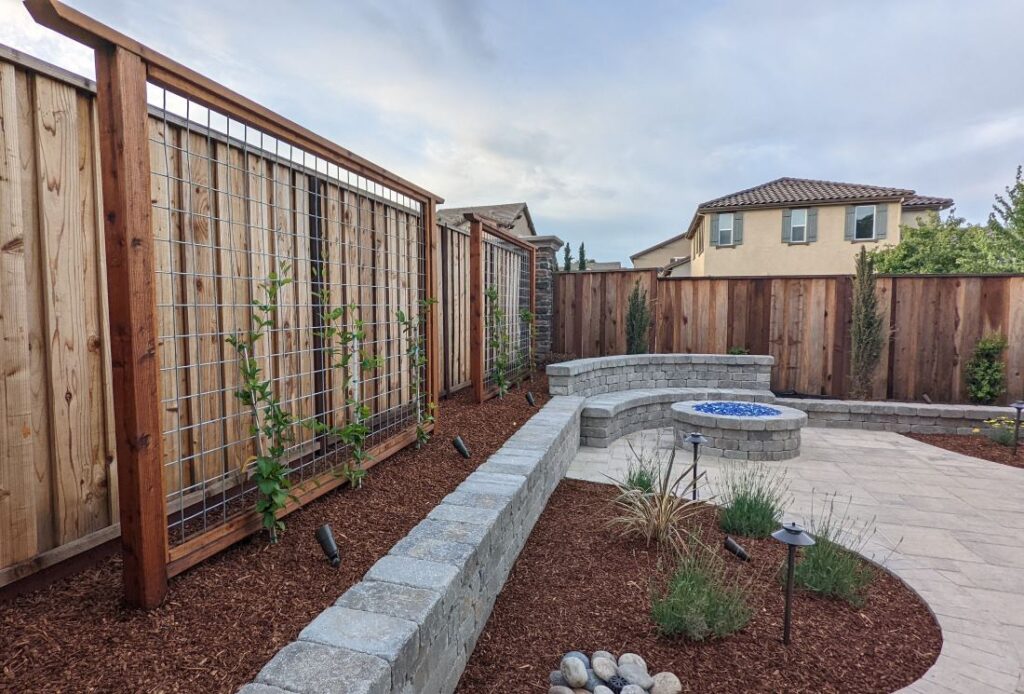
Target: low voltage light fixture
<point x="461" y="447"/>
<point x="326" y="539"/>
<point x="793" y="536"/>
<point x="736" y="548"/>
<point x="695" y="439"/>
<point x="1019" y="405"/>
<point x="529" y="399"/>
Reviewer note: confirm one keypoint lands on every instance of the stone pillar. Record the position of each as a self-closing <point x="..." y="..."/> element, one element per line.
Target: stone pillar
<point x="547" y="264"/>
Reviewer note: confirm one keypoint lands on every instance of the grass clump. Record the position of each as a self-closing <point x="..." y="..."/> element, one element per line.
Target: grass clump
<point x="657" y="514"/>
<point x="832" y="567"/>
<point x="754" y="498"/>
<point x="700" y="601"/>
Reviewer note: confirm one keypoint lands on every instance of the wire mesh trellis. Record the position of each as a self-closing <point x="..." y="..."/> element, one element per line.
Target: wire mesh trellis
<point x="508" y="343"/>
<point x="231" y="206"/>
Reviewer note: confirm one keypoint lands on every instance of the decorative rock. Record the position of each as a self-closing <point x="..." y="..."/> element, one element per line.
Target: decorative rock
<point x="580" y="655"/>
<point x="573" y="670"/>
<point x="632" y="658"/>
<point x="601" y="689"/>
<point x="557" y="678"/>
<point x="592" y="681"/>
<point x="616" y="684"/>
<point x="604" y="668"/>
<point x="602" y="654"/>
<point x="633" y="689"/>
<point x="635" y="674"/>
<point x="580" y="690"/>
<point x="666" y="683"/>
<point x="558" y="689"/>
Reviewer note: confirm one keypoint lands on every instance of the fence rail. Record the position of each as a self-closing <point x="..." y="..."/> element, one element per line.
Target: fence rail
<point x="804" y="322"/>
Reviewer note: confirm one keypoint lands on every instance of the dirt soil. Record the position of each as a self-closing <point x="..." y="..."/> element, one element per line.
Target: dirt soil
<point x="578" y="587"/>
<point x="224" y="619"/>
<point x="976" y="445"/>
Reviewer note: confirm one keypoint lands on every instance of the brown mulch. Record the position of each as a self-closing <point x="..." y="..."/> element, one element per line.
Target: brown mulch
<point x="576" y="586"/>
<point x="976" y="445"/>
<point x="224" y="619"/>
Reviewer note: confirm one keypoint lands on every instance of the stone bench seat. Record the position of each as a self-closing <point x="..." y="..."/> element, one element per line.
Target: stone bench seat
<point x="610" y="416"/>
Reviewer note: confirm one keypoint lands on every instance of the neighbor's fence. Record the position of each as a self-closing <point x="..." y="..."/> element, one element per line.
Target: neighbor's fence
<point x="804" y="322"/>
<point x="455" y="309"/>
<point x="207" y="197"/>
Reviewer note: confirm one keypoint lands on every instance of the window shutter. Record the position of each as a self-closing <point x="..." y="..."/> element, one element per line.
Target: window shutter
<point x="787" y="226"/>
<point x="848" y="234"/>
<point x="881" y="218"/>
<point x="714" y="229"/>
<point x="812" y="225"/>
<point x="737" y="228"/>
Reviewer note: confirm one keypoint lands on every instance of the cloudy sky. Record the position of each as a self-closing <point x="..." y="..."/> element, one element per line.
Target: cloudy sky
<point x="614" y="119"/>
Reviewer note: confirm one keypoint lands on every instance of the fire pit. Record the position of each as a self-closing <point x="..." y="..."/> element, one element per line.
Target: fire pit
<point x="741" y="430"/>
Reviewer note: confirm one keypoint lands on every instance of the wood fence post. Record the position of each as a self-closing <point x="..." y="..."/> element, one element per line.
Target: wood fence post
<point x="433" y="279"/>
<point x="655" y="311"/>
<point x="131" y="295"/>
<point x="476" y="308"/>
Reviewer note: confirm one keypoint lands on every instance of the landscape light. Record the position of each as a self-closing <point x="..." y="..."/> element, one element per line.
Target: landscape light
<point x="793" y="536"/>
<point x="696" y="440"/>
<point x="529" y="399"/>
<point x="326" y="539"/>
<point x="460" y="446"/>
<point x="737" y="549"/>
<point x="1019" y="405"/>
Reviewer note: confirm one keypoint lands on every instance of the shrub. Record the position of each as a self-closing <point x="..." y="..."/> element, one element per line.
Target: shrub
<point x="831" y="567"/>
<point x="656" y="515"/>
<point x="642" y="475"/>
<point x="638" y="321"/>
<point x="866" y="331"/>
<point x="985" y="372"/>
<point x="738" y="350"/>
<point x="1002" y="430"/>
<point x="700" y="602"/>
<point x="754" y="498"/>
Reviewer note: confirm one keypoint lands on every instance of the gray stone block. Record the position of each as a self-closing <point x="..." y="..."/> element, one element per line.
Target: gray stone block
<point x="413" y="572"/>
<point x="313" y="668"/>
<point x="381" y="635"/>
<point x="417" y="605"/>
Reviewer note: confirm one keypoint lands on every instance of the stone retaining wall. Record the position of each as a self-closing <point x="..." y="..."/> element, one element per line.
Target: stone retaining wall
<point x="411" y="624"/>
<point x="613" y="415"/>
<point x="900" y="417"/>
<point x="587" y="377"/>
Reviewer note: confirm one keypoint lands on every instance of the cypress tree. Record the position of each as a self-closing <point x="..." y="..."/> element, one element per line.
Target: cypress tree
<point x="866" y="331"/>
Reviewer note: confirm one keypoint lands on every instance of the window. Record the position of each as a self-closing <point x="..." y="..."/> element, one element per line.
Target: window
<point x="798" y="226"/>
<point x="725" y="224"/>
<point x="864" y="222"/>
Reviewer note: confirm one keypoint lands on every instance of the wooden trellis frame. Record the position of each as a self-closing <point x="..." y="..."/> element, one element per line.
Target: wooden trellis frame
<point x="124" y="67"/>
<point x="478" y="330"/>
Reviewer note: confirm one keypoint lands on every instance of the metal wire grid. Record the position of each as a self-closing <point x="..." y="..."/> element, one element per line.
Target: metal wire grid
<point x="232" y="205"/>
<point x="507" y="269"/>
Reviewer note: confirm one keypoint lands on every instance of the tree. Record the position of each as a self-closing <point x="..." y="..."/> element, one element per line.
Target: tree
<point x="583" y="257"/>
<point x="866" y="329"/>
<point x="1006" y="221"/>
<point x="638" y="322"/>
<point x="567" y="259"/>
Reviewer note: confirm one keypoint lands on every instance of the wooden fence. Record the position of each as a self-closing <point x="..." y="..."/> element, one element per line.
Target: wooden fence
<point x="804" y="322"/>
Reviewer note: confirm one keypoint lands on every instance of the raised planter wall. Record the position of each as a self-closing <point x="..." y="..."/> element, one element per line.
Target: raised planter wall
<point x="900" y="417"/>
<point x="411" y="624"/>
<point x="599" y="375"/>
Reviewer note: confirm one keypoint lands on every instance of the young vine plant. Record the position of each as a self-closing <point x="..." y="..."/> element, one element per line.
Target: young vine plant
<point x="527" y="317"/>
<point x="272" y="425"/>
<point x="413" y="327"/>
<point x="498" y="341"/>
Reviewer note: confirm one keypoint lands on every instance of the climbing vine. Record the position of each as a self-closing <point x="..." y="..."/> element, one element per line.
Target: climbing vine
<point x="527" y="316"/>
<point x="413" y="327"/>
<point x="271" y="425"/>
<point x="497" y="341"/>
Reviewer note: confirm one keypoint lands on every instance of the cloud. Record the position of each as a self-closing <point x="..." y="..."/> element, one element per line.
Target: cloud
<point x="614" y="120"/>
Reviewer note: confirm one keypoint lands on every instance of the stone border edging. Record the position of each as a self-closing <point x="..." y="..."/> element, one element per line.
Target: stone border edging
<point x="598" y="375"/>
<point x="899" y="417"/>
<point x="411" y="624"/>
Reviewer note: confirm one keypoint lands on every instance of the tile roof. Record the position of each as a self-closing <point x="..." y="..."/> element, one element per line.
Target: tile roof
<point x="926" y="202"/>
<point x="786" y="191"/>
<point x="504" y="215"/>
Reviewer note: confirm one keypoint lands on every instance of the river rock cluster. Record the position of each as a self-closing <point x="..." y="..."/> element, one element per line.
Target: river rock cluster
<point x="603" y="673"/>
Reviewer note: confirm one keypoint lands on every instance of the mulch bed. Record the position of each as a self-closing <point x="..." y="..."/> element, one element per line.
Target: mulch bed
<point x="976" y="445"/>
<point x="578" y="587"/>
<point x="224" y="619"/>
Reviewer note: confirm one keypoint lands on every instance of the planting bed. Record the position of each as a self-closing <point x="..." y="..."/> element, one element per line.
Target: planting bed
<point x="976" y="445"/>
<point x="224" y="619"/>
<point x="577" y="587"/>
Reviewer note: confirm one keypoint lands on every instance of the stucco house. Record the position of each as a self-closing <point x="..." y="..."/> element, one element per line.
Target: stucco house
<point x="513" y="217"/>
<point x="789" y="226"/>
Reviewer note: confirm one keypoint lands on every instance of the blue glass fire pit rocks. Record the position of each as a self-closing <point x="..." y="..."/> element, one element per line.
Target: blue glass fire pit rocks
<point x="737" y="409"/>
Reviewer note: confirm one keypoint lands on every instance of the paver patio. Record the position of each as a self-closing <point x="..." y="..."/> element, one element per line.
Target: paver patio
<point x="950" y="526"/>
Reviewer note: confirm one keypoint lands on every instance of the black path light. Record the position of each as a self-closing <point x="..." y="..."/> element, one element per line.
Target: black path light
<point x="696" y="440"/>
<point x="794" y="536"/>
<point x="326" y="539"/>
<point x="1019" y="405"/>
<point x="461" y="447"/>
